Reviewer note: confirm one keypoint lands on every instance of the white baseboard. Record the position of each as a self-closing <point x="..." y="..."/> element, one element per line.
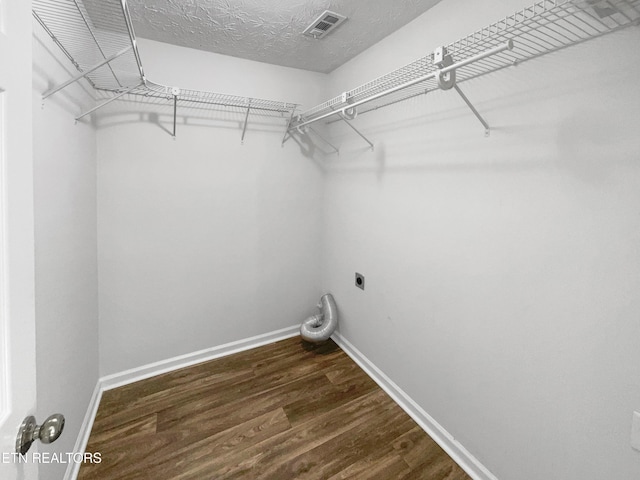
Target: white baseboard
<point x="146" y="371"/>
<point x="163" y="366"/>
<point x="85" y="430"/>
<point x="454" y="449"/>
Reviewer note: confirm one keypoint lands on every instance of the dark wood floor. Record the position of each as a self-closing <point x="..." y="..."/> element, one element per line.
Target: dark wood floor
<point x="282" y="411"/>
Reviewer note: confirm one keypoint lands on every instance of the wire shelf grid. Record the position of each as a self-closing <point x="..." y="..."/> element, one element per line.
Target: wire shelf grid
<point x="91" y="31"/>
<point x="544" y="27"/>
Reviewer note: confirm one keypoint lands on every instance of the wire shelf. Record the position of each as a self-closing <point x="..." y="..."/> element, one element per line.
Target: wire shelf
<point x="544" y="27"/>
<point x="197" y="98"/>
<point x="91" y="32"/>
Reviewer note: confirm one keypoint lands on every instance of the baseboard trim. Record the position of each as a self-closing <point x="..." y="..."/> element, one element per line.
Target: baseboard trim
<point x="73" y="468"/>
<point x="163" y="366"/>
<point x="454" y="449"/>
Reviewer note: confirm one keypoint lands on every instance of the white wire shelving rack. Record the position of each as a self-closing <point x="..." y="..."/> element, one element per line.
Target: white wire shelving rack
<point x="97" y="37"/>
<point x="545" y="27"/>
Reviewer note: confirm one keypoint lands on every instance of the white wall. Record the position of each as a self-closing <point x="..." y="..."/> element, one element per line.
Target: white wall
<point x="502" y="273"/>
<point x="66" y="276"/>
<point x="202" y="240"/>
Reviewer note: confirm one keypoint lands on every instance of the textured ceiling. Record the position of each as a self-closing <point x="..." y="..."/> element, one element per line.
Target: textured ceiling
<point x="271" y="30"/>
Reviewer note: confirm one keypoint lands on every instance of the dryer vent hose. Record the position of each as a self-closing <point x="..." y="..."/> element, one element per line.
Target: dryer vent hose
<point x="318" y="328"/>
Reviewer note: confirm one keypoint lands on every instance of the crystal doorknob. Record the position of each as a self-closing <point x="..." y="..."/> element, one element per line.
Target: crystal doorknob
<point x="29" y="432"/>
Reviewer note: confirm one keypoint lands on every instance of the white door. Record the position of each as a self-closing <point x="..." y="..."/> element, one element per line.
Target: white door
<point x="17" y="305"/>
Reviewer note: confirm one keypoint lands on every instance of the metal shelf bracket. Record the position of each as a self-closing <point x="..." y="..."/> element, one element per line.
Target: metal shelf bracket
<point x="121" y="94"/>
<point x="175" y="91"/>
<point x="175" y="114"/>
<point x="287" y="135"/>
<point x="344" y="118"/>
<point x="246" y="119"/>
<point x="335" y="149"/>
<point x="83" y="74"/>
<point x="487" y="129"/>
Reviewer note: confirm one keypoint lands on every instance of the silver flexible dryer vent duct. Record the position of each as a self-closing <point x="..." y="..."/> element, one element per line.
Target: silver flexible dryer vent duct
<point x="318" y="328"/>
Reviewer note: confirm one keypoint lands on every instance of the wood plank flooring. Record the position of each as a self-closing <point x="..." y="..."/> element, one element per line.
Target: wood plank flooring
<point x="283" y="411"/>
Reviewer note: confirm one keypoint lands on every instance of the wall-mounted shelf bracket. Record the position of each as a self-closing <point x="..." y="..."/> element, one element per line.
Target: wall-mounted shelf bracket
<point x="246" y="119"/>
<point x="287" y="135"/>
<point x="83" y="74"/>
<point x="175" y="114"/>
<point x="487" y="129"/>
<point x="175" y="91"/>
<point x="442" y="60"/>
<point x="121" y="94"/>
<point x="335" y="149"/>
<point x="342" y="116"/>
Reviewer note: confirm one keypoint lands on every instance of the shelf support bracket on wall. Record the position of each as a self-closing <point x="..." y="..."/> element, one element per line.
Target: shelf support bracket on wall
<point x="356" y="130"/>
<point x="335" y="150"/>
<point x="246" y="120"/>
<point x="74" y="79"/>
<point x="175" y="113"/>
<point x="287" y="135"/>
<point x="487" y="129"/>
<point x="175" y="91"/>
<point x="121" y="94"/>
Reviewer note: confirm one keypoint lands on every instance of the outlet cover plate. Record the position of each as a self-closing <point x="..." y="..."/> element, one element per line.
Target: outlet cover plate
<point x="635" y="431"/>
<point x="360" y="280"/>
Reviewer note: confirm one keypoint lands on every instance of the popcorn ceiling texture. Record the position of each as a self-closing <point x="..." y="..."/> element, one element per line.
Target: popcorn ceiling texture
<point x="271" y="31"/>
